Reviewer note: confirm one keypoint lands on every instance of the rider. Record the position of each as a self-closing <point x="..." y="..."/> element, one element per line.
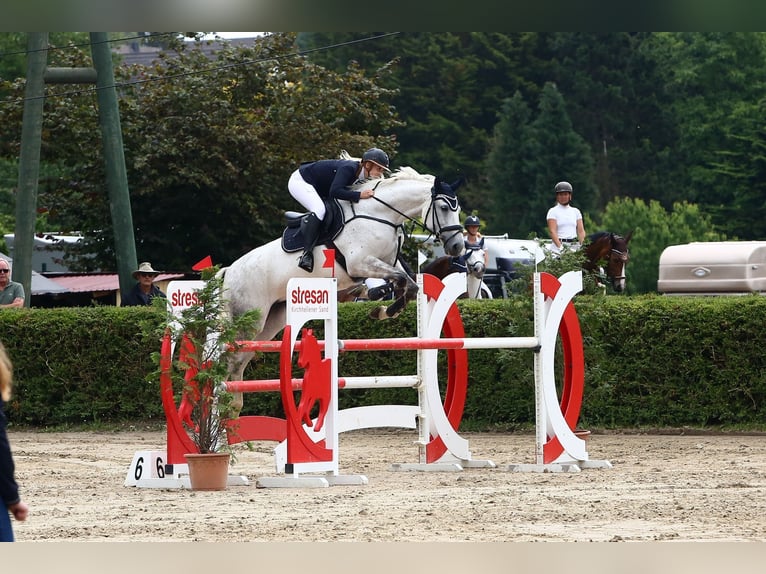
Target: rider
<point x="473" y="238"/>
<point x="315" y="181"/>
<point x="565" y="221"/>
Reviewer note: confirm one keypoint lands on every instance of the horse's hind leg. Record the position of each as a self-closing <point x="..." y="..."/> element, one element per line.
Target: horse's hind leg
<point x="353" y="293"/>
<point x="237" y="364"/>
<point x="274" y="323"/>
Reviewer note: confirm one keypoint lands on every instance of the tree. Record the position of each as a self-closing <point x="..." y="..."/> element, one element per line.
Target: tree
<point x="563" y="155"/>
<point x="616" y="102"/>
<point x="510" y="167"/>
<point x="449" y="88"/>
<point x="209" y="146"/>
<point x="715" y="84"/>
<point x="653" y="230"/>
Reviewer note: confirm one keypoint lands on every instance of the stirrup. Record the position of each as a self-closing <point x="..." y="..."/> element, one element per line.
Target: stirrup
<point x="306" y="262"/>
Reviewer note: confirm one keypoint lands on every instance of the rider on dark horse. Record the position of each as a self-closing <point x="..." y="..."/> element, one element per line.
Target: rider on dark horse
<point x="313" y="182"/>
<point x="473" y="238"/>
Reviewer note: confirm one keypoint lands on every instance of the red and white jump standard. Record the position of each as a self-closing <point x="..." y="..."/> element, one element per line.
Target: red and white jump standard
<point x="307" y="453"/>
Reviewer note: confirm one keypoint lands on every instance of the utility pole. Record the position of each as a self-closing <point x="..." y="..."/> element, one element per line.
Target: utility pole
<point x="114" y="156"/>
<point x="29" y="161"/>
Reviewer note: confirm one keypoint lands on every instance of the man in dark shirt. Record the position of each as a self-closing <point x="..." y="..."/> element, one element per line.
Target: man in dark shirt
<point x="145" y="290"/>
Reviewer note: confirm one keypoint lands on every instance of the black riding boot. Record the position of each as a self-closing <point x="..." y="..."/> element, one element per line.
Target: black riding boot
<point x="310" y="227"/>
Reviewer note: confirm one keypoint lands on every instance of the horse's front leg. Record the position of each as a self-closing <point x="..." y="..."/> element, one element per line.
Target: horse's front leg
<point x="405" y="290"/>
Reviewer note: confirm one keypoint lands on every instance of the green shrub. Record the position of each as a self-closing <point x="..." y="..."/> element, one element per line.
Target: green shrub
<point x="81" y="365"/>
<point x="651" y="361"/>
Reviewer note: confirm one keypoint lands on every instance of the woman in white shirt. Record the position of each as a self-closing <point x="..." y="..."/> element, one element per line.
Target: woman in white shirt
<point x="565" y="223"/>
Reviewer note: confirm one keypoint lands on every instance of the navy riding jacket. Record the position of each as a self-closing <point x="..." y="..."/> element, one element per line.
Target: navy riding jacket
<point x="331" y="177"/>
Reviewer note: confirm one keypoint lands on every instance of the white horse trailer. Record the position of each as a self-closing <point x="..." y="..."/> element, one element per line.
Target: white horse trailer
<point x="713" y="268"/>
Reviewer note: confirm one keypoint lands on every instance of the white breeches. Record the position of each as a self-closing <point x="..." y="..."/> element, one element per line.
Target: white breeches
<point x="305" y="194"/>
<point x="564" y="246"/>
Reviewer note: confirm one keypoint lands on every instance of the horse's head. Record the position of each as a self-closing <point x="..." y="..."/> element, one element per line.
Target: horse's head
<point x="444" y="213"/>
<point x="617" y="260"/>
<point x="474" y="263"/>
<point x="611" y="250"/>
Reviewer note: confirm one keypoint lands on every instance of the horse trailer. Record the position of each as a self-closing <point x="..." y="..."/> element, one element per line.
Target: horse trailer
<point x="713" y="268"/>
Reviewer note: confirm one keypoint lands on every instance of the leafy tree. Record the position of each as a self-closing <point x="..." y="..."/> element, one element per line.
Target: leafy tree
<point x="666" y="117"/>
<point x="653" y="229"/>
<point x="209" y="146"/>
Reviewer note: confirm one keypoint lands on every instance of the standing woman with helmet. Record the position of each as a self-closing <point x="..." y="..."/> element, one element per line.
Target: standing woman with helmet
<point x="313" y="182"/>
<point x="564" y="221"/>
<point x="473" y="238"/>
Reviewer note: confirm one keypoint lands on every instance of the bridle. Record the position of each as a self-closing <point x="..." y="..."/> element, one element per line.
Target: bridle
<point x="435" y="229"/>
<point x="623" y="256"/>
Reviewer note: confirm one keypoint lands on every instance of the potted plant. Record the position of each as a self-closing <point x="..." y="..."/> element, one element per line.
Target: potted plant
<point x="205" y="336"/>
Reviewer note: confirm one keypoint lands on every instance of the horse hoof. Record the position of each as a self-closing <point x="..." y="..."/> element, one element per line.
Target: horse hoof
<point x="378" y="313"/>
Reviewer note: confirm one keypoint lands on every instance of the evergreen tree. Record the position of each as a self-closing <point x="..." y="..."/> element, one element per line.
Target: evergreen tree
<point x="715" y="84"/>
<point x="449" y="86"/>
<point x="510" y="167"/>
<point x="561" y="155"/>
<point x="615" y="100"/>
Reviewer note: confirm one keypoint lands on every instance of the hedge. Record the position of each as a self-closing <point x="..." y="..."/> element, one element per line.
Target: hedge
<point x="651" y="361"/>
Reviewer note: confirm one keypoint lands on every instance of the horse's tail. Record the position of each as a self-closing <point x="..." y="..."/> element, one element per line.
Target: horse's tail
<point x="221" y="273"/>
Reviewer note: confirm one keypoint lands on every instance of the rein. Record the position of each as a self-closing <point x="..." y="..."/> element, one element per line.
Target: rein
<point x="437" y="228"/>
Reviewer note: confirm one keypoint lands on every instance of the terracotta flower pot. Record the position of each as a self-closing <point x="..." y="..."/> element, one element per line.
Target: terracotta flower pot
<point x="582" y="434"/>
<point x="208" y="471"/>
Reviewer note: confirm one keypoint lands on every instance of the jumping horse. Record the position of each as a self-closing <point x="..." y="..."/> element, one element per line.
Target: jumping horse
<point x="367" y="246"/>
<point x="607" y="255"/>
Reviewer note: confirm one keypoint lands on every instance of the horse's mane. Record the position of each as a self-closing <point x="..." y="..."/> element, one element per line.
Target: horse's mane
<point x="404" y="172"/>
<point x="593" y="237"/>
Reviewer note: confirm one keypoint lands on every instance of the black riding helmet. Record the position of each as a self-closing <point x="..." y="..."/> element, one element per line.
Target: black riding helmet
<point x="563" y="187"/>
<point x="471" y="220"/>
<point x="376" y="156"/>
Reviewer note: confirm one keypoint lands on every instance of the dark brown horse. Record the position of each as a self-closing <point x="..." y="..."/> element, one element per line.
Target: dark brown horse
<point x="471" y="263"/>
<point x="606" y="255"/>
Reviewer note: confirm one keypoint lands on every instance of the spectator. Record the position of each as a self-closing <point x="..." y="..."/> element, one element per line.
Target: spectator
<point x="145" y="290"/>
<point x="9" y="489"/>
<point x="11" y="292"/>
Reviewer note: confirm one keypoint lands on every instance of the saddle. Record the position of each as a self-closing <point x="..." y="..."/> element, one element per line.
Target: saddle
<point x="332" y="224"/>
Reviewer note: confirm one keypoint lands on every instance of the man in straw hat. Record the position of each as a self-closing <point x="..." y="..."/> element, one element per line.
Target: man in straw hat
<point x="145" y="290"/>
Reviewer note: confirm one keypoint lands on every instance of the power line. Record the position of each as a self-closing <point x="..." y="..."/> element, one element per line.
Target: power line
<point x="85" y="44"/>
<point x="204" y="71"/>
